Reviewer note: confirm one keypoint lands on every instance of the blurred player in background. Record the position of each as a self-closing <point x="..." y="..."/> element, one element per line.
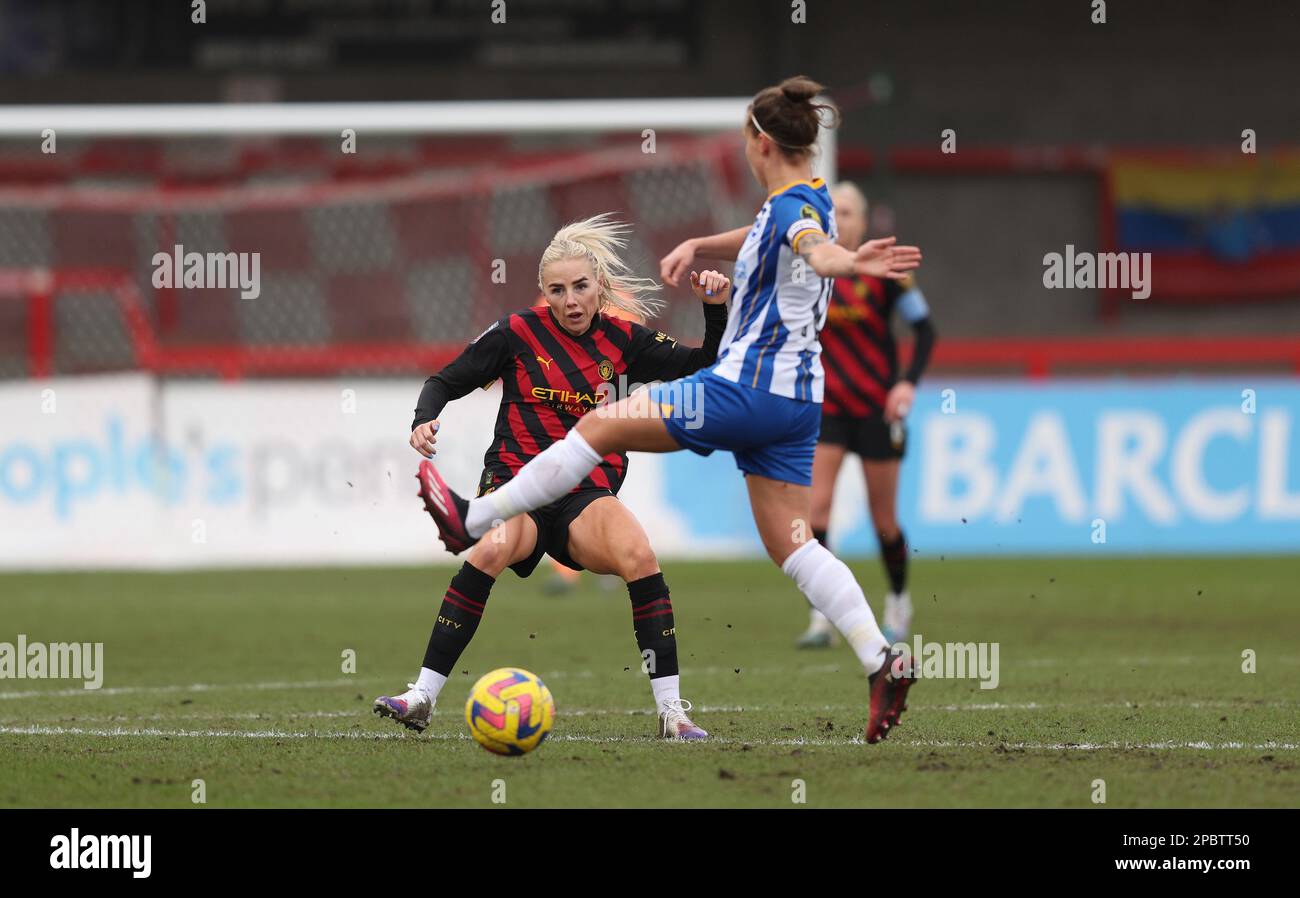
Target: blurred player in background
<point x="556" y="363"/>
<point x="761" y="400"/>
<point x="866" y="407"/>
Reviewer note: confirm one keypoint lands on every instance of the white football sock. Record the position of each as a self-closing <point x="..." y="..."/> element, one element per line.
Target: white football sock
<point x="545" y="478"/>
<point x="430" y="682"/>
<point x="666" y="689"/>
<point x="830" y="586"/>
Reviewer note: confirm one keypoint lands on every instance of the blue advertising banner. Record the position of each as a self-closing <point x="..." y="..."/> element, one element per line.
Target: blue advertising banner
<point x="1063" y="467"/>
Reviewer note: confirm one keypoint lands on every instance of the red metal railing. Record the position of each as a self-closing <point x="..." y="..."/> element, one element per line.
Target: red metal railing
<point x="1036" y="358"/>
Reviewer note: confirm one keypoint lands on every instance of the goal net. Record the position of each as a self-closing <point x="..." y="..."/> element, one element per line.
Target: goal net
<point x="380" y="247"/>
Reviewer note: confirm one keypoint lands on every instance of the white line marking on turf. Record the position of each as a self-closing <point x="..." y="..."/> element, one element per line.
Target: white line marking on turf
<point x="816" y="669"/>
<point x="363" y="712"/>
<point x="354" y="681"/>
<point x="120" y="732"/>
<point x="1245" y="704"/>
<point x="192" y="687"/>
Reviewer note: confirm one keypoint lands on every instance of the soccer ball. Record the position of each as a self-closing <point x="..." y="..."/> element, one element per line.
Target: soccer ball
<point x="509" y="711"/>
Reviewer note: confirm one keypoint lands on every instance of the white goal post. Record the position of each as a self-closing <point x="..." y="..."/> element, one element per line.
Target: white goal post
<point x="451" y="117"/>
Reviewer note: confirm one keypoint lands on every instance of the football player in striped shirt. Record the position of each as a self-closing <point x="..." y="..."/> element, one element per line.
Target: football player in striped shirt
<point x="761" y="400"/>
<point x="557" y="362"/>
<point x="866" y="407"/>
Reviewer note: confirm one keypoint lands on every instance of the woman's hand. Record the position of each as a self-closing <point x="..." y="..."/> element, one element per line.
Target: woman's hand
<point x="423" y="438"/>
<point x="882" y="259"/>
<point x="899" y="401"/>
<point x="712" y="287"/>
<point x="676" y="263"/>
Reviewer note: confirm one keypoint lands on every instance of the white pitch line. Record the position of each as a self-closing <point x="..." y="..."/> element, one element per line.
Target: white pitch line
<point x="816" y="669"/>
<point x="191" y="687"/>
<point x="1104" y="746"/>
<point x="364" y="712"/>
<point x="119" y="732"/>
<point x="353" y="681"/>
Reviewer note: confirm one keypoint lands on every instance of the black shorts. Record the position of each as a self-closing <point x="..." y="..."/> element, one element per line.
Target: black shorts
<point x="868" y="437"/>
<point x="552" y="524"/>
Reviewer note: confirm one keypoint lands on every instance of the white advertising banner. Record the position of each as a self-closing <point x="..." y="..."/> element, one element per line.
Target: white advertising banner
<point x="123" y="471"/>
<point x="77" y="473"/>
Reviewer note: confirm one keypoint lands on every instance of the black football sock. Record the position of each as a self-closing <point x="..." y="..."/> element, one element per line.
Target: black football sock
<point x="894" y="555"/>
<point x="652" y="618"/>
<point x="462" y="608"/>
<point x="822" y="537"/>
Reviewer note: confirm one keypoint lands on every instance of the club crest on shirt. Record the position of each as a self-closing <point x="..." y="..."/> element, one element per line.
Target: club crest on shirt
<point x="606" y="369"/>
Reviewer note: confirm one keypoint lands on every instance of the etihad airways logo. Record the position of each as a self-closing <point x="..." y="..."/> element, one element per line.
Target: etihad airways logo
<point x="684" y="401"/>
<point x="838" y="314"/>
<point x="569" y="397"/>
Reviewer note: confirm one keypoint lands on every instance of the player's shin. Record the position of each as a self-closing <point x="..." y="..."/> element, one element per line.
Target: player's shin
<point x="819" y="628"/>
<point x="898" y="604"/>
<point x="893" y="554"/>
<point x="458" y="618"/>
<point x="656" y="635"/>
<point x="547" y="477"/>
<point x="831" y="588"/>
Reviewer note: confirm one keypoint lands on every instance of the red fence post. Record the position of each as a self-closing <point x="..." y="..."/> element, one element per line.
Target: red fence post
<point x="40" y="340"/>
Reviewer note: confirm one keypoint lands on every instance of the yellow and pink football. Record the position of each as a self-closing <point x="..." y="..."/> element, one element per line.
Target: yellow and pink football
<point x="510" y="711"/>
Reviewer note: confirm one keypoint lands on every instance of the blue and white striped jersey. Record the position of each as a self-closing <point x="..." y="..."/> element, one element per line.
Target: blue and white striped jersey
<point x="778" y="302"/>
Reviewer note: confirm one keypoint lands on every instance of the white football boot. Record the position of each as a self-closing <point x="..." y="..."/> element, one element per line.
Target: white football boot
<point x="819" y="635"/>
<point x="412" y="709"/>
<point x="674" y="724"/>
<point x="898" y="617"/>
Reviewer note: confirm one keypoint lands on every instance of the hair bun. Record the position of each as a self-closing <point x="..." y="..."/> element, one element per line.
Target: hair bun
<point x="800" y="89"/>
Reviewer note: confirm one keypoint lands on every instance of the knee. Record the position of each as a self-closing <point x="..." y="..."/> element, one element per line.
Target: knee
<point x="780" y="550"/>
<point x="491" y="556"/>
<point x="591" y="427"/>
<point x="638" y="561"/>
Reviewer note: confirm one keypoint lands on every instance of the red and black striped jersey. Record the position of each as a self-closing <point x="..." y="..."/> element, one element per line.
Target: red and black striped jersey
<point x="551" y="378"/>
<point x="859" y="353"/>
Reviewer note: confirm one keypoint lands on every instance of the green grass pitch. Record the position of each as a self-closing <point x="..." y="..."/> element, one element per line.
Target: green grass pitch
<point x="1123" y="670"/>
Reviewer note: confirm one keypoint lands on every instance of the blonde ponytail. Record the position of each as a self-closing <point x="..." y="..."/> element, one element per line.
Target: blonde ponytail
<point x="599" y="240"/>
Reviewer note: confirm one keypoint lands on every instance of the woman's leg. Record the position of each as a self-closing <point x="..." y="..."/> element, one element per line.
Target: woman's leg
<point x="463" y="603"/>
<point x="462" y="608"/>
<point x="827" y="459"/>
<point x="608" y="539"/>
<point x="631" y="424"/>
<point x="882" y="494"/>
<point x="782" y="511"/>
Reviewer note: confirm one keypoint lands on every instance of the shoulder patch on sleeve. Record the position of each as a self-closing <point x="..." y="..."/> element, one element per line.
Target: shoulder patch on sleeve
<point x="486" y="331"/>
<point x="807" y="210"/>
